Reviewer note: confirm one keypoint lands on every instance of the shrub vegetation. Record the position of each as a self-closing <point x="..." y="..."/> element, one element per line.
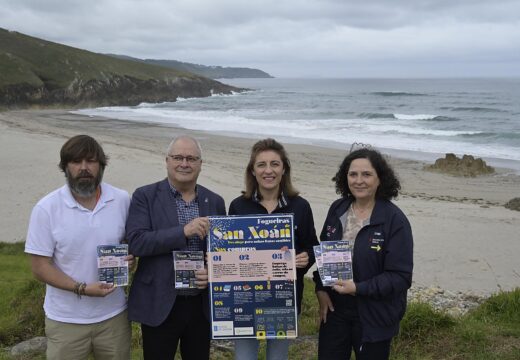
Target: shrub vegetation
<point x="491" y="331"/>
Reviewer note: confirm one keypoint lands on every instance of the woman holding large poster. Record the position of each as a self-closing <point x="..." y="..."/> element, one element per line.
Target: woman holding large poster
<point x="268" y="190"/>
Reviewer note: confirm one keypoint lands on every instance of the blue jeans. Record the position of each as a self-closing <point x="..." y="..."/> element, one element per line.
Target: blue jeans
<point x="247" y="349"/>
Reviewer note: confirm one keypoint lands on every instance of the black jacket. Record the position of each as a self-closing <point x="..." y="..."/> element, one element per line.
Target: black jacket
<point x="304" y="231"/>
<point x="382" y="267"/>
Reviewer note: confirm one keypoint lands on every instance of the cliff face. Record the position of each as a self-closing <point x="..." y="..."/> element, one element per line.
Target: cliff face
<point x="113" y="91"/>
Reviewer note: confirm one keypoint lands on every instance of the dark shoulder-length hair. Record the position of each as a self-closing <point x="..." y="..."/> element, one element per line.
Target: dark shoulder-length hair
<point x="389" y="185"/>
<point x="81" y="147"/>
<point x="250" y="180"/>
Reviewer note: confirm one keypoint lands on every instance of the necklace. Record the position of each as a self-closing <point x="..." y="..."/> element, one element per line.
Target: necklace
<point x="362" y="213"/>
<point x="269" y="205"/>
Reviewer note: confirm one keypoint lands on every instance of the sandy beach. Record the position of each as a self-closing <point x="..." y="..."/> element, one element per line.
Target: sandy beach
<point x="465" y="240"/>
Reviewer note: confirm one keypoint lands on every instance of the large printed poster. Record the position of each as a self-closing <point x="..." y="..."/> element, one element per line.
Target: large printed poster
<point x="252" y="275"/>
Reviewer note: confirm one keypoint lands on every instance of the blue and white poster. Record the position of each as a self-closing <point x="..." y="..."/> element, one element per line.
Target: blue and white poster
<point x="252" y="275"/>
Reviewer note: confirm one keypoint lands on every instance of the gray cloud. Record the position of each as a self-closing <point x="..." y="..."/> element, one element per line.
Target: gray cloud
<point x="290" y="38"/>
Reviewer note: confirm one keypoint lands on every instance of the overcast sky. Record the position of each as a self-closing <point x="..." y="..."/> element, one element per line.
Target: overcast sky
<point x="290" y="38"/>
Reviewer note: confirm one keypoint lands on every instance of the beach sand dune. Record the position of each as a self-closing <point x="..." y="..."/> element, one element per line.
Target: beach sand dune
<point x="465" y="240"/>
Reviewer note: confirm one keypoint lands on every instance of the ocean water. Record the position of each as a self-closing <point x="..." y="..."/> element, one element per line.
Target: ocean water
<point x="419" y="118"/>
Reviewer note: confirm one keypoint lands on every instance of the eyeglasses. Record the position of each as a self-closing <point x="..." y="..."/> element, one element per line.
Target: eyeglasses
<point x="189" y="159"/>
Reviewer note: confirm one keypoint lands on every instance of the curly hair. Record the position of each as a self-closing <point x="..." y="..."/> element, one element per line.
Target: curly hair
<point x="250" y="180"/>
<point x="389" y="185"/>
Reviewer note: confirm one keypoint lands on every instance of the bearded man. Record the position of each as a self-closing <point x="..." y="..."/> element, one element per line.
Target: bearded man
<point x="82" y="315"/>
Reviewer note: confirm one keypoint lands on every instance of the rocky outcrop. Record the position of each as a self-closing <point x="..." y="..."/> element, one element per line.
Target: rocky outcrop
<point x="33" y="346"/>
<point x="513" y="204"/>
<point x="468" y="166"/>
<point x="113" y="90"/>
<point x="453" y="303"/>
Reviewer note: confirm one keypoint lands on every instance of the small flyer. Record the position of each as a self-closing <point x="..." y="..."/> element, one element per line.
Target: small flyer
<point x="185" y="264"/>
<point x="319" y="262"/>
<point x="336" y="259"/>
<point x="112" y="266"/>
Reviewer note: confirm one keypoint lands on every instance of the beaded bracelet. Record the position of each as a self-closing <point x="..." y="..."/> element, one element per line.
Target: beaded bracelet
<point x="79" y="288"/>
<point x="76" y="288"/>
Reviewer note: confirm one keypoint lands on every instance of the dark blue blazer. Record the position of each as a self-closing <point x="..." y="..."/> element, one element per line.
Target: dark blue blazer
<point x="153" y="232"/>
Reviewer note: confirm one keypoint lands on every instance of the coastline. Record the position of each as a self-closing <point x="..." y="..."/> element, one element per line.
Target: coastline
<point x="465" y="240"/>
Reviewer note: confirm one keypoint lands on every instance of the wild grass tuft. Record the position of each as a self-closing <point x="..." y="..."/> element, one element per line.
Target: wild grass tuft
<point x="421" y="321"/>
<point x="21" y="297"/>
<point x="12" y="248"/>
<point x="503" y="306"/>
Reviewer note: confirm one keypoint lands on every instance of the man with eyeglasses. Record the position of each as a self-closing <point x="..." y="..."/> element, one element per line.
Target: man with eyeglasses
<point x="167" y="216"/>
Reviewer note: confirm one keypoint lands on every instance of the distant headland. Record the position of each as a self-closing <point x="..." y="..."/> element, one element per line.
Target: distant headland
<point x="212" y="72"/>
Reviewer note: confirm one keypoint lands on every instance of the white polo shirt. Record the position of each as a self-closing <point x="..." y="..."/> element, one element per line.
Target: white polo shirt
<point x="67" y="232"/>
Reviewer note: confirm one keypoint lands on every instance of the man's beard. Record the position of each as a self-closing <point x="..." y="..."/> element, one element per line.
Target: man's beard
<point x="84" y="185"/>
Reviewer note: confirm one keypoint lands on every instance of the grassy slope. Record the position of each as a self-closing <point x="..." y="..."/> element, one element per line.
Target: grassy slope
<point x="492" y="331"/>
<point x="25" y="59"/>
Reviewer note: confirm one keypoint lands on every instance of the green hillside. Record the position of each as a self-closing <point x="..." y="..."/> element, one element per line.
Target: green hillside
<point x="212" y="72"/>
<point x="38" y="72"/>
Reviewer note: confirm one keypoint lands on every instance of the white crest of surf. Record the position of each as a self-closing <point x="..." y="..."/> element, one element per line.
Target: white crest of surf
<point x="415" y="117"/>
<point x="418" y="131"/>
<point x="213" y="94"/>
<point x="341" y="131"/>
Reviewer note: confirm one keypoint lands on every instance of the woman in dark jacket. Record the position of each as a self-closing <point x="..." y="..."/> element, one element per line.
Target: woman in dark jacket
<point x="363" y="314"/>
<point x="269" y="191"/>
